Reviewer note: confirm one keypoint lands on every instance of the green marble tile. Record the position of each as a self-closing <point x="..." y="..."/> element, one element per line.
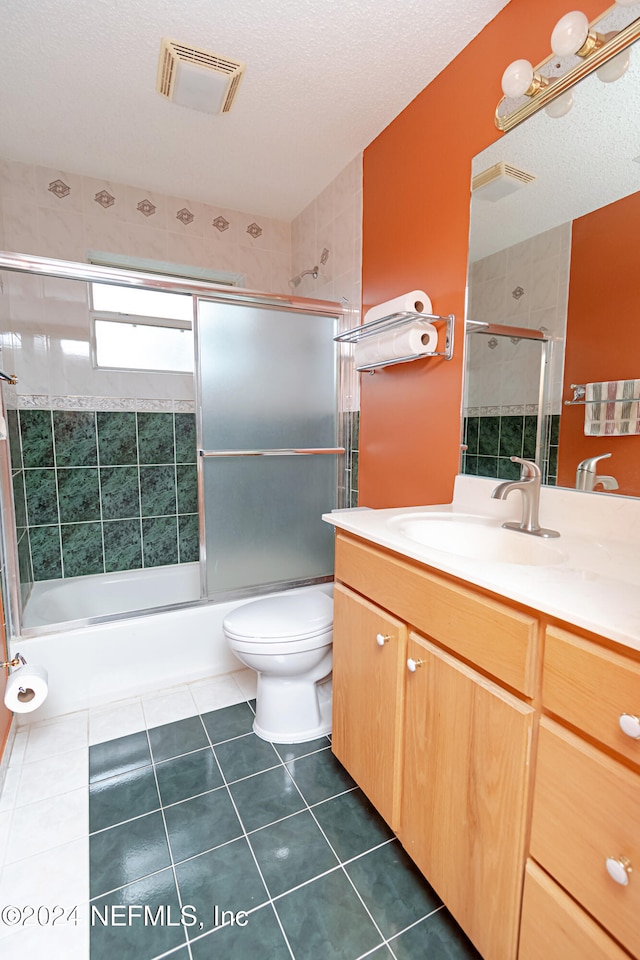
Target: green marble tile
<point x="155" y="438"/>
<point x="15" y="451"/>
<point x="471" y="438"/>
<point x="117" y="438"/>
<point x="78" y="494"/>
<point x="188" y="538"/>
<point x="507" y="470"/>
<point x="82" y="549"/>
<point x="187" y="486"/>
<point x="46" y="552"/>
<point x="19" y="499"/>
<point x="158" y="491"/>
<point x="489" y="436"/>
<point x="530" y="430"/>
<point x="37" y="438"/>
<point x="160" y="541"/>
<point x="511" y="436"/>
<point x="122" y="545"/>
<point x="185" y="426"/>
<point x="75" y="438"/>
<point x="119" y="492"/>
<point x="24" y="560"/>
<point x="42" y="496"/>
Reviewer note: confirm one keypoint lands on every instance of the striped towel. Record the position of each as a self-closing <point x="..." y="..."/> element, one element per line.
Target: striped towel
<point x="612" y="408"/>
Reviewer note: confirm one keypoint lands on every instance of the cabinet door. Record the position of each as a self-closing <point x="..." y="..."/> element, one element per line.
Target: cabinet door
<point x="465" y="792"/>
<point x="369" y="649"/>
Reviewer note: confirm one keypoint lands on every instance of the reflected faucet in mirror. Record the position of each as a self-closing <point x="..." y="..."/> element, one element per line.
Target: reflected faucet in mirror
<point x="529" y="487"/>
<point x="587" y="478"/>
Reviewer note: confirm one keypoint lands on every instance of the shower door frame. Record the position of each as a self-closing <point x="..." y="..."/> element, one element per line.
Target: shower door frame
<point x="140" y="279"/>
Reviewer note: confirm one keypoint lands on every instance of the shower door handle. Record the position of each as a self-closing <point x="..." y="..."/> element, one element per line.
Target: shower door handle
<point x="275" y="452"/>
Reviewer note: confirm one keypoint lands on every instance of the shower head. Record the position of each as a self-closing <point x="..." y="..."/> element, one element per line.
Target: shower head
<point x="296" y="281"/>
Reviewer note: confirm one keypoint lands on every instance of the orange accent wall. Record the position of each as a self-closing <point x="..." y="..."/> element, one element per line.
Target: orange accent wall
<point x="603" y="334"/>
<point x="416" y="191"/>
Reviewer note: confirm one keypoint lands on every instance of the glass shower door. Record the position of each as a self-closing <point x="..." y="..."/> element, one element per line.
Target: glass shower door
<point x="268" y="459"/>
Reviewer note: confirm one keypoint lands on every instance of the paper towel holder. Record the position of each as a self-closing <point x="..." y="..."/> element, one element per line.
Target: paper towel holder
<point x="395" y="320"/>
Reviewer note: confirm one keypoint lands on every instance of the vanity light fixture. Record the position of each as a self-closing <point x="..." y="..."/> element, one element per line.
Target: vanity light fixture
<point x="578" y="48"/>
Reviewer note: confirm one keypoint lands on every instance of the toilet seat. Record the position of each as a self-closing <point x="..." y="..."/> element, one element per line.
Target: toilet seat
<point x="286" y="619"/>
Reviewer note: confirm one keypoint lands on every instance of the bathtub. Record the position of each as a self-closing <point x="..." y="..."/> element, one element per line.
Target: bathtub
<point x="105" y="594"/>
<point x="131" y="653"/>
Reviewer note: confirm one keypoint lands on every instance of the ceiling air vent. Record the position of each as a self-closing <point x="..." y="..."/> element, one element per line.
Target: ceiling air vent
<point x="197" y="78"/>
<point x="499" y="181"/>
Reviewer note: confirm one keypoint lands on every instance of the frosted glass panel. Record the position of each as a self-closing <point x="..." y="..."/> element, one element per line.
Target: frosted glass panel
<point x="263" y="520"/>
<point x="267" y="380"/>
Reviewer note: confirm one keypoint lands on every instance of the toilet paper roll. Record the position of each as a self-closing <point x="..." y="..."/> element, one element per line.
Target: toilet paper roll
<point x="416" y="301"/>
<point x="26" y="688"/>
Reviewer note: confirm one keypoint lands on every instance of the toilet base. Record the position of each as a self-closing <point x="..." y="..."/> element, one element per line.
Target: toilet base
<point x="292" y="713"/>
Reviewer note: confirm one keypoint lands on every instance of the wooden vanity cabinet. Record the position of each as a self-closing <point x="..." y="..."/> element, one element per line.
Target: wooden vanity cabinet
<point x="456" y="742"/>
<point x="586" y="805"/>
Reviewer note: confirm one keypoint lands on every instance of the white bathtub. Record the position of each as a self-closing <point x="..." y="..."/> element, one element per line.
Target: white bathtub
<point x="105" y="594"/>
<point x="128" y="656"/>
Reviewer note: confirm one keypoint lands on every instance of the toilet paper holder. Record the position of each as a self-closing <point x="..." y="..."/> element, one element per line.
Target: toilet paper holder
<point x="17" y="661"/>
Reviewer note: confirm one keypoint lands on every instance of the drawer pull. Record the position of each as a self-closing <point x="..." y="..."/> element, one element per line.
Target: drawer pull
<point x="414" y="664"/>
<point x="382" y="638"/>
<point x="619" y="869"/>
<point x="630" y="725"/>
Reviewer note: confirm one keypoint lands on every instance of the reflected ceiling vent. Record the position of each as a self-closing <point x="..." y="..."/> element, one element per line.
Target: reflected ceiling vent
<point x="499" y="181"/>
<point x="197" y="78"/>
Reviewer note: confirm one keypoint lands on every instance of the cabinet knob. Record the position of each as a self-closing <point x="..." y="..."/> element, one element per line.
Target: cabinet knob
<point x="382" y="638"/>
<point x="619" y="869"/>
<point x="414" y="664"/>
<point x="630" y="725"/>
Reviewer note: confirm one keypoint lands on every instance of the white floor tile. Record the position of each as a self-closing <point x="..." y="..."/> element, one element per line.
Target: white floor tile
<point x="19" y="747"/>
<point x="57" y="736"/>
<point x="53" y="776"/>
<point x="49" y="823"/>
<point x="5" y="824"/>
<point x="216" y="692"/>
<point x="57" y="877"/>
<point x="247" y="680"/>
<point x="51" y="942"/>
<point x="176" y="704"/>
<point x="116" y="720"/>
<point x="10" y="788"/>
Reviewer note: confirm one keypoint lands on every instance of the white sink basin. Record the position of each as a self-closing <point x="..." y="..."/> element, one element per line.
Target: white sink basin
<point x="479" y="538"/>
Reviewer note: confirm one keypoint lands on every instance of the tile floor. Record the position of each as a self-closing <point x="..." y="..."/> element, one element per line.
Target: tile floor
<point x="168" y="808"/>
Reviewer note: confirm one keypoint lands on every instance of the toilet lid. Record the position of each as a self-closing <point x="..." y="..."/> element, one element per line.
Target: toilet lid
<point x="293" y="615"/>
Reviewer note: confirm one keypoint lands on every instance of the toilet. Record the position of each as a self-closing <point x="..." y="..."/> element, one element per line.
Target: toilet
<point x="287" y="639"/>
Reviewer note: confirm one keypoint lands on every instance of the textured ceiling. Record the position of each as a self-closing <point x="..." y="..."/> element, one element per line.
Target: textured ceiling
<point x="77" y="82"/>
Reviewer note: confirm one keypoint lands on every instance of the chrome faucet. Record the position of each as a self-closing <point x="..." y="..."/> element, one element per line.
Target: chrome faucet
<point x="529" y="487"/>
<point x="586" y="477"/>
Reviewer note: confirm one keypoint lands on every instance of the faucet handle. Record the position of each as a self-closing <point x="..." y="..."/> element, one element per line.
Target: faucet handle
<point x="590" y="462"/>
<point x="530" y="469"/>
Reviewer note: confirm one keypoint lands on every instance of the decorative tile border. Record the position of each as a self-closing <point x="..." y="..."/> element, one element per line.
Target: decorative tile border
<point x="45" y="402"/>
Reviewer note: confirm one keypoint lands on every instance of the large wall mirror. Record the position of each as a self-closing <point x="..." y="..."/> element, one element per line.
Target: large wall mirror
<point x="558" y="253"/>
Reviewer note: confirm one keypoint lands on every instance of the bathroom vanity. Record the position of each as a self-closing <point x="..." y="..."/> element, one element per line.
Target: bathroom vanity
<point x="478" y="703"/>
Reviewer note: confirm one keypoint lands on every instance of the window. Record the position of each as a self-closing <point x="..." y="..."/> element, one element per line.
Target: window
<point x="142" y="329"/>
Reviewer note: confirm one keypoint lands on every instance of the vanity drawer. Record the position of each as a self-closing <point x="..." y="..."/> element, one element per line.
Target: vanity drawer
<point x="590" y="687"/>
<point x="554" y="927"/>
<point x="586" y="809"/>
<point x="502" y="641"/>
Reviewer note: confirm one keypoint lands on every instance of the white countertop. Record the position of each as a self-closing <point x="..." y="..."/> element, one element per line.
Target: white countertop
<point x="595" y="584"/>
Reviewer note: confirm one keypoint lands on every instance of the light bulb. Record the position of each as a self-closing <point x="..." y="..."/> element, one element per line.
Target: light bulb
<point x="613" y="69"/>
<point x="570" y="33"/>
<point x="560" y="106"/>
<point x="517" y="78"/>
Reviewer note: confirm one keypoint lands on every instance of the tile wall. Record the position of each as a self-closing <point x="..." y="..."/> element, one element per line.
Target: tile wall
<point x="98" y="492"/>
<point x="492" y="440"/>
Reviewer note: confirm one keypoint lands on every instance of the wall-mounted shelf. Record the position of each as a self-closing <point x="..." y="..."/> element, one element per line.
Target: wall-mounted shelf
<point x="376" y="327"/>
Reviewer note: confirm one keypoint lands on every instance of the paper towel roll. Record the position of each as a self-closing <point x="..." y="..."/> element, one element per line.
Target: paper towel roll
<point x="26" y="689"/>
<point x="415" y="339"/>
<point x="415" y="302"/>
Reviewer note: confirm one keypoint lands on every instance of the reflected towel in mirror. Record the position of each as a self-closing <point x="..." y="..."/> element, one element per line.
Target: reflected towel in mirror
<point x="612" y="408"/>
